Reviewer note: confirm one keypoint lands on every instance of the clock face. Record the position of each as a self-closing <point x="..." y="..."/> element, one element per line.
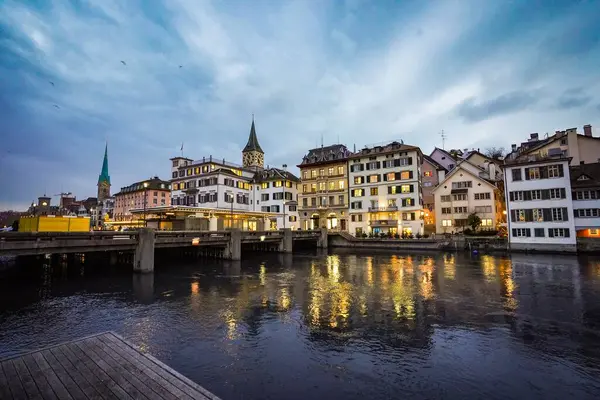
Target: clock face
<point x="44" y="203"/>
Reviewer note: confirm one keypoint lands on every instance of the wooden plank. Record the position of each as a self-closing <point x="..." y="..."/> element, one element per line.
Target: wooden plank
<point x="181" y="382"/>
<point x="154" y="381"/>
<point x="39" y="378"/>
<point x="114" y="387"/>
<point x="55" y="383"/>
<point x="79" y="380"/>
<point x="127" y="387"/>
<point x="63" y="375"/>
<point x="4" y="388"/>
<point x="26" y="379"/>
<point x="147" y="391"/>
<point x="14" y="383"/>
<point x="89" y="375"/>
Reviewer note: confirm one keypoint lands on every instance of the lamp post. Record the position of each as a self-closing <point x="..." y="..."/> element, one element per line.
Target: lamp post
<point x="231" y="227"/>
<point x="284" y="171"/>
<point x="145" y="198"/>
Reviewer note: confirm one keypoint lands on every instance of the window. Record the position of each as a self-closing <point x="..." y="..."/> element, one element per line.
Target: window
<point x="340" y="170"/>
<point x="355" y="205"/>
<point x="559" y="214"/>
<point x="556" y="194"/>
<point x="313" y="201"/>
<point x="518" y="196"/>
<point x="486" y="222"/>
<point x="538" y="215"/>
<point x="427" y="173"/>
<point x="304" y="174"/>
<point x="305" y="202"/>
<point x="293" y="208"/>
<point x="405" y="175"/>
<point x="483" y="209"/>
<point x="446" y="199"/>
<point x="359" y="180"/>
<point x="331" y="200"/>
<point x="228" y="198"/>
<point x="322" y="172"/>
<point x="534" y="173"/>
<point x="516" y="175"/>
<point x="330" y="171"/>
<point x="483" y="196"/>
<point x="459" y="197"/>
<point x="520" y="215"/>
<point x="554" y="171"/>
<point x="589" y="212"/>
<point x="341" y="185"/>
<point x="293" y="218"/>
<point x="264" y="197"/>
<point x="276" y="196"/>
<point x="372" y="165"/>
<point x="175" y="163"/>
<point x="313" y="173"/>
<point x="536" y="195"/>
<point x="391" y="202"/>
<point x="460" y="210"/>
<point x="446" y="222"/>
<point x="462" y="185"/>
<point x="427" y="184"/>
<point x="558" y="232"/>
<point x="358" y="192"/>
<point x="322" y="186"/>
<point x="374" y="191"/>
<point x="278" y="184"/>
<point x="331" y="185"/>
<point x="521" y="232"/>
<point x="446" y="210"/>
<point x="373" y="178"/>
<point x="304" y="188"/>
<point x="341" y="199"/>
<point x="313" y="187"/>
<point x="264" y="185"/>
<point x="406" y="188"/>
<point x="323" y="201"/>
<point x="390" y="176"/>
<point x="357" y="167"/>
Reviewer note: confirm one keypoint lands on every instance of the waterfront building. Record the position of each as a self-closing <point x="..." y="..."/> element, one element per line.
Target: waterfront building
<point x="104" y="178"/>
<point x="444" y="158"/>
<point x="323" y="201"/>
<point x="153" y="192"/>
<point x="465" y="190"/>
<point x="432" y="174"/>
<point x="275" y="191"/>
<point x="585" y="189"/>
<point x="539" y="202"/>
<point x="385" y="190"/>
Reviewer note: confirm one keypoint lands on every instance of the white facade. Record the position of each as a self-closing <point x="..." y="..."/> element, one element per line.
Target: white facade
<point x="585" y="188"/>
<point x="461" y="193"/>
<point x="539" y="204"/>
<point x="385" y="190"/>
<point x="443" y="158"/>
<point x="276" y="191"/>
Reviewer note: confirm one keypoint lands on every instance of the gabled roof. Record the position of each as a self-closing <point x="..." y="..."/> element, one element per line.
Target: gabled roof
<point x="471" y="153"/>
<point x="431" y="161"/>
<point x="271" y="174"/>
<point x="252" y="144"/>
<point x="585" y="175"/>
<point x="460" y="168"/>
<point x="327" y="154"/>
<point x="443" y="151"/>
<point x="391" y="147"/>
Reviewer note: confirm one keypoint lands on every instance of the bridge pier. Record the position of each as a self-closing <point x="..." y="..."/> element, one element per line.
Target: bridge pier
<point x="144" y="252"/>
<point x="233" y="251"/>
<point x="322" y="241"/>
<point x="286" y="244"/>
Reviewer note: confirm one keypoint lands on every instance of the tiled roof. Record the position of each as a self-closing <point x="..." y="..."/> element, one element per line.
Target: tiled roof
<point x="336" y="152"/>
<point x="388" y="148"/>
<point x="271" y="174"/>
<point x="585" y="175"/>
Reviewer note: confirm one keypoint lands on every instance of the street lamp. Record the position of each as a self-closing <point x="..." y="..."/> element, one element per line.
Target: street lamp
<point x="284" y="171"/>
<point x="145" y="197"/>
<point x="231" y="226"/>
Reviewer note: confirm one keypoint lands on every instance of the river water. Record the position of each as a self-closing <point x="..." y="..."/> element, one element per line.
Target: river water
<point x="334" y="326"/>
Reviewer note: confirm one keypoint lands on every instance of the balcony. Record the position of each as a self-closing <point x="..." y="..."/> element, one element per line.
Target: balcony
<point x="383" y="222"/>
<point x="383" y="209"/>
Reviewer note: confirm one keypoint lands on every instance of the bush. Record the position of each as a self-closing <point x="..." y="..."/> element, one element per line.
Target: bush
<point x="425" y="236"/>
<point x="468" y="232"/>
<point x="396" y="235"/>
<point x="419" y="236"/>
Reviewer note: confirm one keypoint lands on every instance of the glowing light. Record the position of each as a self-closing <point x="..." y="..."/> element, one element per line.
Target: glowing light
<point x="262" y="238"/>
<point x="195" y="241"/>
<point x="195" y="288"/>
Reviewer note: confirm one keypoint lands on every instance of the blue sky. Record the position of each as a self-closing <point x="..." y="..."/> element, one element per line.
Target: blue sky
<point x="486" y="72"/>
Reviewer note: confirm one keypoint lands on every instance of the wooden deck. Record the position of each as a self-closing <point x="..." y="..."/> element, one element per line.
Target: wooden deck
<point x="103" y="366"/>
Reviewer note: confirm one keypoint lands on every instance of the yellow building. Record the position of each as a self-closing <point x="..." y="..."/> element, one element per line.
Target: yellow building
<point x="323" y="198"/>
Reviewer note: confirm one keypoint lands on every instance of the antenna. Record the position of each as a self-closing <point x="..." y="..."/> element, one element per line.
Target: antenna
<point x="321" y="140"/>
<point x="444" y="136"/>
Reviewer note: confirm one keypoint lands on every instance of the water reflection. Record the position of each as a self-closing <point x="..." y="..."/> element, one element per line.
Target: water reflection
<point x="337" y="326"/>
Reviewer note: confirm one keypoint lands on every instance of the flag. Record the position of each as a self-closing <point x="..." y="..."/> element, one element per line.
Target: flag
<point x="181" y="146"/>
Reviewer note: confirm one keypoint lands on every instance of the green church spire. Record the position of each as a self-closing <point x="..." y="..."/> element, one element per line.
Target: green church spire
<point x="104" y="176"/>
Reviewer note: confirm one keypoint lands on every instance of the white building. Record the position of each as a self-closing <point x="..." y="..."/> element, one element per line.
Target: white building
<point x="226" y="194"/>
<point x="539" y="203"/>
<point x="385" y="190"/>
<point x="443" y="158"/>
<point x="465" y="190"/>
<point x="585" y="188"/>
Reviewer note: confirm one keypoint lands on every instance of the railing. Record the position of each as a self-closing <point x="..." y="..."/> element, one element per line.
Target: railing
<point x="383" y="209"/>
<point x="383" y="222"/>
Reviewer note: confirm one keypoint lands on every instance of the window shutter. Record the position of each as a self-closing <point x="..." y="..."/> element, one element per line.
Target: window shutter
<point x="378" y="164"/>
<point x="409" y="160"/>
<point x="396" y="162"/>
<point x="563" y="193"/>
<point x="550" y="232"/>
<point x="514" y="232"/>
<point x="513" y="215"/>
<point x="567" y="231"/>
<point x="527" y="195"/>
<point x="529" y="215"/>
<point x="565" y="212"/>
<point x="412" y="188"/>
<point x="561" y="171"/>
<point x="544" y="172"/>
<point x="528" y="231"/>
<point x="390" y="189"/>
<point x="526" y="173"/>
<point x="352" y="193"/>
<point x="385" y="177"/>
<point x="397" y="176"/>
<point x="547" y="214"/>
<point x="403" y="202"/>
<point x="410" y="174"/>
<point x="512" y="196"/>
<point x="545" y="194"/>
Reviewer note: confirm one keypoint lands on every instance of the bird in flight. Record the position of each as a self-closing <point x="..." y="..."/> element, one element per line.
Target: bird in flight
<point x="180" y="66"/>
<point x="52" y="83"/>
<point x="123" y="62"/>
<point x="56" y="106"/>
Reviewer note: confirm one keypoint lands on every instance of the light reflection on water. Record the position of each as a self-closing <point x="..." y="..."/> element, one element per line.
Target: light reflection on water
<point x="341" y="325"/>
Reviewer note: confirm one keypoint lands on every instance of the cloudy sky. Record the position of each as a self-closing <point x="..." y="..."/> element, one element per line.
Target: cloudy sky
<point x="357" y="71"/>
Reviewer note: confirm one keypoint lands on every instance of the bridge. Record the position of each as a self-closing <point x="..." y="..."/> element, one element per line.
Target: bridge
<point x="143" y="242"/>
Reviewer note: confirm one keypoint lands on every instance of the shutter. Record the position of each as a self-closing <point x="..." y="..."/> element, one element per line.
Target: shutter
<point x="403" y="202"/>
<point x="390" y="189"/>
<point x="378" y="164"/>
<point x="396" y="162"/>
<point x="565" y="212"/>
<point x="545" y="194"/>
<point x="529" y="215"/>
<point x="550" y="232"/>
<point x="563" y="192"/>
<point x="526" y="173"/>
<point x="528" y="232"/>
<point x="397" y="176"/>
<point x="352" y="193"/>
<point x="527" y="195"/>
<point x="410" y="174"/>
<point x="567" y="231"/>
<point x="412" y="188"/>
<point x="561" y="171"/>
<point x="385" y="177"/>
<point x="513" y="215"/>
<point x="514" y="232"/>
<point x="409" y="160"/>
<point x="368" y="167"/>
<point x="512" y="196"/>
<point x="544" y="172"/>
<point x="547" y="214"/>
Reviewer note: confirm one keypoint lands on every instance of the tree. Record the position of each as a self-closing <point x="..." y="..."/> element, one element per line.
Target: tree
<point x="15" y="225"/>
<point x="474" y="221"/>
<point x="495" y="153"/>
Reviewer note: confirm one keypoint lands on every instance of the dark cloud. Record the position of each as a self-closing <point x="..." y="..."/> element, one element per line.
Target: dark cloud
<point x="569" y="102"/>
<point x="472" y="110"/>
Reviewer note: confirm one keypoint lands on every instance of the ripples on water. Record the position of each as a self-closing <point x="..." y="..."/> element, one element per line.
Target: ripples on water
<point x="344" y="325"/>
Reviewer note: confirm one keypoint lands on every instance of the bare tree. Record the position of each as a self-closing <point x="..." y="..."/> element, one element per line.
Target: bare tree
<point x="495" y="153"/>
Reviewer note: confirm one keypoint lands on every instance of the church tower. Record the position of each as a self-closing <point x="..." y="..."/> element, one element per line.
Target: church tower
<point x="104" y="178"/>
<point x="252" y="155"/>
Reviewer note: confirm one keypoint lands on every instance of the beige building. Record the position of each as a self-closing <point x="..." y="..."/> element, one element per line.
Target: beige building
<point x="146" y="194"/>
<point x="323" y="199"/>
<point x="432" y="173"/>
<point x="465" y="190"/>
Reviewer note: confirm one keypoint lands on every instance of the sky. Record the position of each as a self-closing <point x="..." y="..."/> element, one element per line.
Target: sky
<point x="357" y="72"/>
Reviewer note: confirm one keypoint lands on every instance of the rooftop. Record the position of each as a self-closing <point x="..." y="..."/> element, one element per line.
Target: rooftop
<point x="585" y="175"/>
<point x="270" y="174"/>
<point x="327" y="154"/>
<point x="385" y="149"/>
<point x="154" y="183"/>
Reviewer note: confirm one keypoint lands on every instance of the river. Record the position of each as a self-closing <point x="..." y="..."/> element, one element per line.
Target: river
<point x="343" y="325"/>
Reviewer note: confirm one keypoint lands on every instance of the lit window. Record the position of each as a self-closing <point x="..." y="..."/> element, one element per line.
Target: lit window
<point x="534" y="173"/>
<point x="322" y="186"/>
<point x="341" y="184"/>
<point x="313" y="173"/>
<point x="358" y="192"/>
<point x="427" y="173"/>
<point x="446" y="222"/>
<point x="313" y="187"/>
<point x="322" y="172"/>
<point x="373" y="178"/>
<point x="391" y="176"/>
<point x="406" y="188"/>
<point x="405" y="175"/>
<point x="340" y="170"/>
<point x="332" y="185"/>
<point x="330" y="171"/>
<point x="278" y="183"/>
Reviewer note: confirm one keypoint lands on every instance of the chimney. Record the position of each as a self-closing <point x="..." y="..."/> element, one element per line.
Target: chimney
<point x="587" y="130"/>
<point x="534" y="136"/>
<point x="514" y="147"/>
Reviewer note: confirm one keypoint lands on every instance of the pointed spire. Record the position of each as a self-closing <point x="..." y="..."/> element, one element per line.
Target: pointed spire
<point x="104" y="177"/>
<point x="252" y="144"/>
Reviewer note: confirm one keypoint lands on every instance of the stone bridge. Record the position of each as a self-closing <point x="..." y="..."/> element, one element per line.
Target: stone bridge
<point x="143" y="242"/>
